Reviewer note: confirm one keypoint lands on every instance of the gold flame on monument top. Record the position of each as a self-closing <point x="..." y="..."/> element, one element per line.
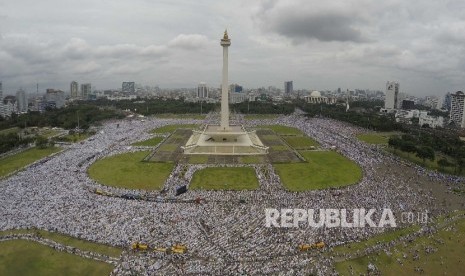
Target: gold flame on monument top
<point x="225" y="36"/>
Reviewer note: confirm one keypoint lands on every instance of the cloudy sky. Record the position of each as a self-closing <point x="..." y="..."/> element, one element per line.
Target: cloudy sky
<point x="317" y="44"/>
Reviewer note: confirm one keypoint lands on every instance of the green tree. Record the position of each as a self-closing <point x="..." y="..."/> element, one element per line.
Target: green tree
<point x="41" y="142"/>
<point x="425" y="152"/>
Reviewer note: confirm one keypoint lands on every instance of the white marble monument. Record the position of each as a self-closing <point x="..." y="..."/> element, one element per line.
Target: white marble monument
<point x="224" y="139"/>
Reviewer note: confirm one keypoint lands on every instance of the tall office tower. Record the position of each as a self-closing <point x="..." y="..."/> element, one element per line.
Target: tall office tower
<point x="21" y="100"/>
<point x="288" y="88"/>
<point x="236" y="94"/>
<point x="392" y="92"/>
<point x="55" y="96"/>
<point x="446" y="104"/>
<point x="85" y="90"/>
<point x="202" y="90"/>
<point x="128" y="87"/>
<point x="457" y="108"/>
<point x="2" y="107"/>
<point x="74" y="90"/>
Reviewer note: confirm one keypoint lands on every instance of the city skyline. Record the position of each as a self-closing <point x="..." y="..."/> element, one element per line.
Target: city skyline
<point x="173" y="44"/>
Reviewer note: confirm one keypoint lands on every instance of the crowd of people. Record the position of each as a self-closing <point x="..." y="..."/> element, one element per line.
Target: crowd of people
<point x="226" y="234"/>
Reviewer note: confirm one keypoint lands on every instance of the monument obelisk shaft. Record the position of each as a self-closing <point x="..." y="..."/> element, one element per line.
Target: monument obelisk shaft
<point x="224" y="125"/>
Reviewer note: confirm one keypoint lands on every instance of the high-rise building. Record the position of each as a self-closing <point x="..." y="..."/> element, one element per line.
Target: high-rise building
<point x="236" y="94"/>
<point x="457" y="108"/>
<point x="202" y="90"/>
<point x="288" y="88"/>
<point x="128" y="87"/>
<point x="21" y="100"/>
<point x="55" y="96"/>
<point x="446" y="104"/>
<point x="2" y="107"/>
<point x="392" y="93"/>
<point x="74" y="89"/>
<point x="85" y="90"/>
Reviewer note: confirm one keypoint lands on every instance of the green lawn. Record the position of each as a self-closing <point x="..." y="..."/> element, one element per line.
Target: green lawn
<point x="73" y="138"/>
<point x="300" y="142"/>
<point x="9" y="130"/>
<point x="168" y="147"/>
<point x="198" y="159"/>
<point x="323" y="169"/>
<point x="284" y="130"/>
<point x="180" y="116"/>
<point x="128" y="171"/>
<point x="384" y="238"/>
<point x="149" y="142"/>
<point x="14" y="162"/>
<point x="48" y="133"/>
<point x="68" y="240"/>
<point x="236" y="179"/>
<point x="172" y="128"/>
<point x="446" y="256"/>
<point x="261" y="116"/>
<point x="279" y="147"/>
<point x="432" y="165"/>
<point x="20" y="257"/>
<point x="380" y="138"/>
<point x="252" y="159"/>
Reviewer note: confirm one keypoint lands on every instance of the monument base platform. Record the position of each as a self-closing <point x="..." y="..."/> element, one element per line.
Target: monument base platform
<point x="234" y="140"/>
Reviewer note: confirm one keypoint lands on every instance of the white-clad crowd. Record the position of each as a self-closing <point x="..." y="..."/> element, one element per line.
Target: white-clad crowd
<point x="226" y="234"/>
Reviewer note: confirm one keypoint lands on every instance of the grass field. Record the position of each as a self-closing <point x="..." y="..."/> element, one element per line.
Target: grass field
<point x="14" y="162"/>
<point x="198" y="159"/>
<point x="9" y="130"/>
<point x="67" y="240"/>
<point x="20" y="257"/>
<point x="323" y="169"/>
<point x="73" y="138"/>
<point x="261" y="116"/>
<point x="438" y="254"/>
<point x="379" y="138"/>
<point x="432" y="165"/>
<point x="300" y="142"/>
<point x="149" y="142"/>
<point x="284" y="130"/>
<point x="48" y="133"/>
<point x="172" y="128"/>
<point x="252" y="159"/>
<point x="384" y="238"/>
<point x="127" y="171"/>
<point x="180" y="116"/>
<point x="236" y="179"/>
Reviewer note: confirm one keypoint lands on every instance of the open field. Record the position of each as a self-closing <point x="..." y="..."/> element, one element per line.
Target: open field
<point x="323" y="169"/>
<point x="180" y="116"/>
<point x="70" y="241"/>
<point x="429" y="255"/>
<point x="20" y="257"/>
<point x="241" y="178"/>
<point x="149" y="142"/>
<point x="48" y="133"/>
<point x="432" y="165"/>
<point x="379" y="138"/>
<point x="283" y="130"/>
<point x="385" y="238"/>
<point x="73" y="138"/>
<point x="300" y="142"/>
<point x="261" y="116"/>
<point x="9" y="130"/>
<point x="14" y="162"/>
<point x="172" y="128"/>
<point x="127" y="171"/>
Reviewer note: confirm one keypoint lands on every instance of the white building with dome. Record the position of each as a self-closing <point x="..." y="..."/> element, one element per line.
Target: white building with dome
<point x="316" y="98"/>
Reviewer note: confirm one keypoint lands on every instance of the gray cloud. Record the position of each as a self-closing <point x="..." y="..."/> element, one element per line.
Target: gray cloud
<point x="304" y="20"/>
<point x="318" y="44"/>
